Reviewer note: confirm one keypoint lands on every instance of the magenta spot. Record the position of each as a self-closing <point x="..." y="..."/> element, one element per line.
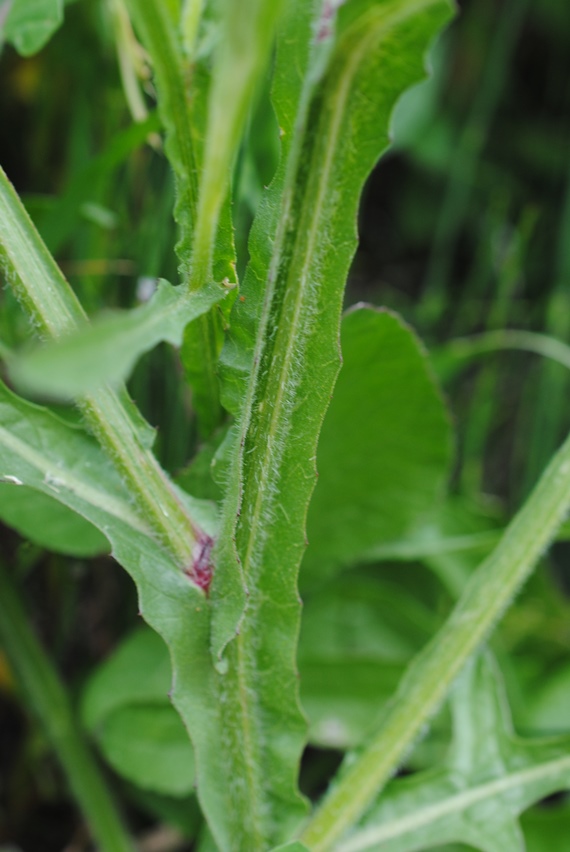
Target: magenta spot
<point x="324" y="30"/>
<point x="200" y="572"/>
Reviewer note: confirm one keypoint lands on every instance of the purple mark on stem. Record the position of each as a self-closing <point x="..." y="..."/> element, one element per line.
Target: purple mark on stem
<point x="200" y="572"/>
<point x="324" y="30"/>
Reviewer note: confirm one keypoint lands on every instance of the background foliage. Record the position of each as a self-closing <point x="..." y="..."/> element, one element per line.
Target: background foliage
<point x="464" y="230"/>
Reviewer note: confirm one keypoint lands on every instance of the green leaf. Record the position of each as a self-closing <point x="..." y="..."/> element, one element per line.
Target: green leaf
<point x="280" y="365"/>
<point x="149" y="746"/>
<point x="40" y="451"/>
<point x="247" y="34"/>
<point x="546" y="829"/>
<point x="50" y="302"/>
<point x="183" y="119"/>
<point x="31" y="23"/>
<point x="50" y="456"/>
<point x="459" y="535"/>
<point x="295" y="846"/>
<point x="138" y="672"/>
<point x="106" y="351"/>
<point x="357" y="635"/>
<point x="426" y="682"/>
<point x="488" y="779"/>
<point x="385" y="446"/>
<point x="547" y="704"/>
<point x="157" y="29"/>
<point x="47" y="523"/>
<point x="126" y="708"/>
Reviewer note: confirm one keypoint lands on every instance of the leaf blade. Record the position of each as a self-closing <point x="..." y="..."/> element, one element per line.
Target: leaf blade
<point x="48" y="524"/>
<point x="490" y="777"/>
<point x="52" y="457"/>
<point x="106" y="351"/>
<point x="292" y="366"/>
<point x="31" y="23"/>
<point x="384" y="449"/>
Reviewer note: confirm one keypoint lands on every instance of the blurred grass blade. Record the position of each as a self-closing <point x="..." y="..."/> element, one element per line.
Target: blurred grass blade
<point x="47" y="699"/>
<point x="56" y="225"/>
<point x="456" y="354"/>
<point x="105" y="351"/>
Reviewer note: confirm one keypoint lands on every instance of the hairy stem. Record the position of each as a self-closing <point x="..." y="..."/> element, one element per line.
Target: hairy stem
<point x="55" y="310"/>
<point x="427" y="681"/>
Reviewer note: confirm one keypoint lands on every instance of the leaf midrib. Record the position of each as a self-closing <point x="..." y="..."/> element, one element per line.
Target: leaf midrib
<point x="454" y="804"/>
<point x="384" y="20"/>
<point x="286" y="332"/>
<point x="64" y="478"/>
<point x="289" y="349"/>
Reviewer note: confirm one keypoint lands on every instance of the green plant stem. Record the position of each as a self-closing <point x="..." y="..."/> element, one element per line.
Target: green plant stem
<point x="55" y="310"/>
<point x="173" y="74"/>
<point x="430" y="676"/>
<point x="48" y="699"/>
<point x="127" y="59"/>
<point x="249" y="29"/>
<point x="157" y="30"/>
<point x="110" y="423"/>
<point x="190" y="21"/>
